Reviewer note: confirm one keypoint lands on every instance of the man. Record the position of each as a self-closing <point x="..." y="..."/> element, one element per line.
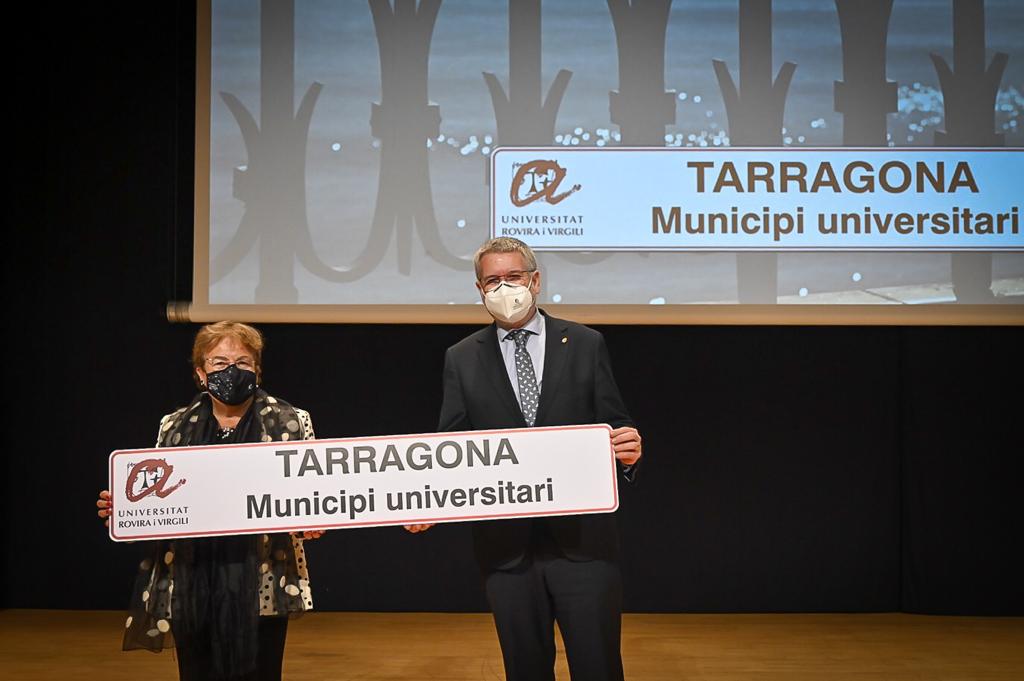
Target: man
<point x="531" y="369"/>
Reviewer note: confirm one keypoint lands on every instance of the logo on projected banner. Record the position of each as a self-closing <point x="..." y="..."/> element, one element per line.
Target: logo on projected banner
<point x="536" y="186"/>
<point x="150" y="477"/>
<point x="539" y="181"/>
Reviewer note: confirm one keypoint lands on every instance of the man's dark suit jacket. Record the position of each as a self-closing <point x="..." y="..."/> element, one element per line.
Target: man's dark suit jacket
<point x="577" y="387"/>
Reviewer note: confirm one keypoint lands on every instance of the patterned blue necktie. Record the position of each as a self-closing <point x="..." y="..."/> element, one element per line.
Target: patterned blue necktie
<point x="529" y="393"/>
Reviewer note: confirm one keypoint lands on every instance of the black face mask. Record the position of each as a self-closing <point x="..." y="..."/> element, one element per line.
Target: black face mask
<point x="231" y="385"/>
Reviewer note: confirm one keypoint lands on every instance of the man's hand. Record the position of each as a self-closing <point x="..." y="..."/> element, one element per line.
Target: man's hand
<point x="626" y="443"/>
<point x="418" y="528"/>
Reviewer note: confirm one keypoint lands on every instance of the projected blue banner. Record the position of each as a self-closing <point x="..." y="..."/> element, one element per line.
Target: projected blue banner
<point x="735" y="199"/>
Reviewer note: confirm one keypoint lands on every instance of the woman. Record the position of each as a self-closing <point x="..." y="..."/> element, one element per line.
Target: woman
<point x="224" y="600"/>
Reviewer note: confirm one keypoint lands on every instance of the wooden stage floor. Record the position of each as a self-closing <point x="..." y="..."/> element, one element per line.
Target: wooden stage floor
<point x="61" y="644"/>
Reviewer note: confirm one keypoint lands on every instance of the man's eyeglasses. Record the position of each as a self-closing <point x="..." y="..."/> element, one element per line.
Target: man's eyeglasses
<point x="516" y="278"/>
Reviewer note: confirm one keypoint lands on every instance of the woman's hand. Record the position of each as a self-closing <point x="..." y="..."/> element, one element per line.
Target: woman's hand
<point x="309" y="534"/>
<point x="106" y="506"/>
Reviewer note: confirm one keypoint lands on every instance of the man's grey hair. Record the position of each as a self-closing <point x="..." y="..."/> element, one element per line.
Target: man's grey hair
<point x="504" y="244"/>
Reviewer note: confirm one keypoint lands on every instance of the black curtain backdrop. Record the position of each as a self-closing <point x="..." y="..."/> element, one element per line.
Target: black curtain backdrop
<point x="787" y="468"/>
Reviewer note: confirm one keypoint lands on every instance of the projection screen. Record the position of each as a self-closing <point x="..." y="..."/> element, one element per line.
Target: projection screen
<point x="351" y="157"/>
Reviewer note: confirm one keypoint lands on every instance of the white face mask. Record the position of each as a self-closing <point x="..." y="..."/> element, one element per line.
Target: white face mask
<point x="508" y="303"/>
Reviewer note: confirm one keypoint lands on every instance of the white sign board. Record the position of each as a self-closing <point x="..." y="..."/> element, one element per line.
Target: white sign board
<point x="361" y="482"/>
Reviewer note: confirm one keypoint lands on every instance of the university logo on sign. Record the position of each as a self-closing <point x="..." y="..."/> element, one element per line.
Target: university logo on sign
<point x="539" y="181"/>
<point x="150" y="477"/>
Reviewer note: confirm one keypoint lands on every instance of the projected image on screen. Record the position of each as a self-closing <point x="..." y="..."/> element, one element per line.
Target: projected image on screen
<point x="350" y="142"/>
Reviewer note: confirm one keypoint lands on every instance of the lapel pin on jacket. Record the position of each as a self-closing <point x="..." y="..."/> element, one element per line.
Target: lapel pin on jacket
<point x="565" y="339"/>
